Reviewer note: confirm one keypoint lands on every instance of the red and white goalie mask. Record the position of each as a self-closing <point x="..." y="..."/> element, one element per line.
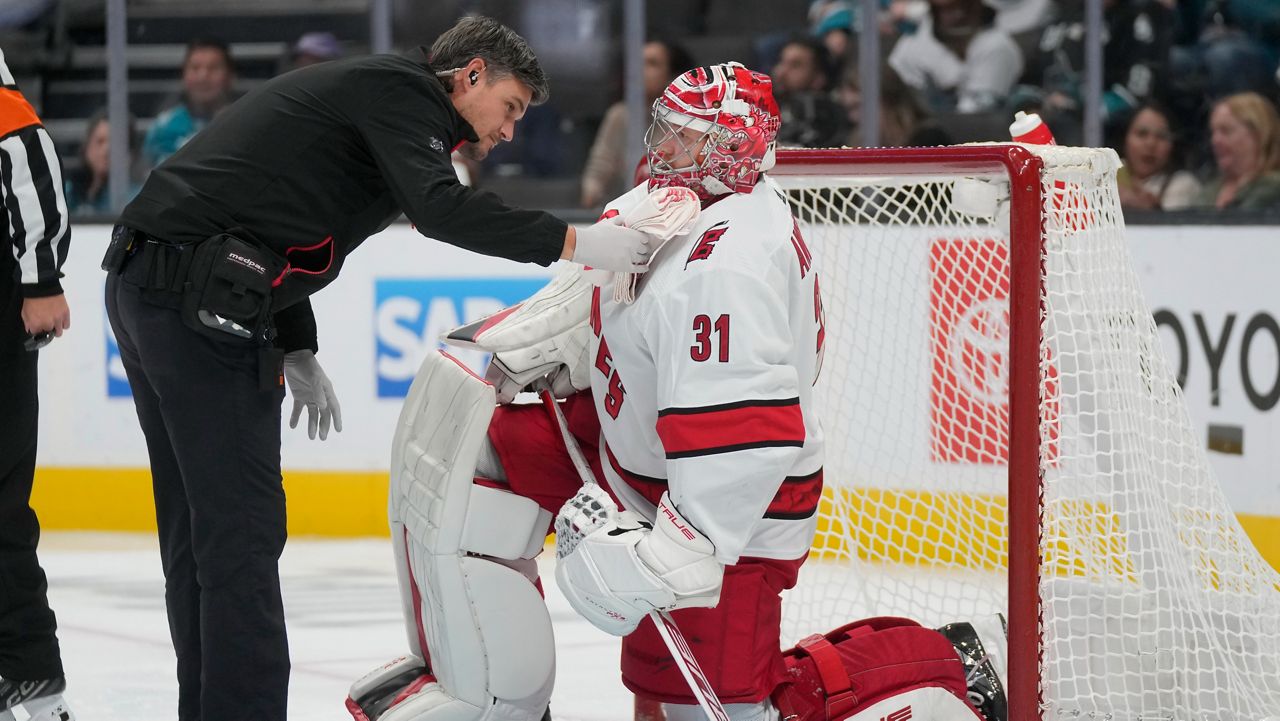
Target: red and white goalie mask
<point x="713" y="131"/>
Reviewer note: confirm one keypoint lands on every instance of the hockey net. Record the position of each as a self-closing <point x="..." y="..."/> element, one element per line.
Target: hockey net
<point x="1005" y="436"/>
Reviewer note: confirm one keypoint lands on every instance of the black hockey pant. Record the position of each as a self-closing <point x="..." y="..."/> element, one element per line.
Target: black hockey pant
<point x="214" y="443"/>
<point x="28" y="646"/>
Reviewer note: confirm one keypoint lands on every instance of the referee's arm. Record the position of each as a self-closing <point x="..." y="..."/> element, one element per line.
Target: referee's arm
<point x="35" y="210"/>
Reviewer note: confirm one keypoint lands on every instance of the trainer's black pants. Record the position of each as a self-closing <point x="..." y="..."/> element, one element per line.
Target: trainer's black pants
<point x="28" y="646"/>
<point x="214" y="442"/>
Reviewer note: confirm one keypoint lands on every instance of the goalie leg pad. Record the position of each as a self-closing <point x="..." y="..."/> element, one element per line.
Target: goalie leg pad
<point x="926" y="703"/>
<point x="763" y="711"/>
<point x="874" y="668"/>
<point x="386" y="686"/>
<point x="481" y="626"/>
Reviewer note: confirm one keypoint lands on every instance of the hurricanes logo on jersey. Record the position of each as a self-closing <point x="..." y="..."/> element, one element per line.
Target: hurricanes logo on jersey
<point x="707" y="243"/>
<point x="616" y="393"/>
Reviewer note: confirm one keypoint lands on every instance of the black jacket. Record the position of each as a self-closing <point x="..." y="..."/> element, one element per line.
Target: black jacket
<point x="314" y="161"/>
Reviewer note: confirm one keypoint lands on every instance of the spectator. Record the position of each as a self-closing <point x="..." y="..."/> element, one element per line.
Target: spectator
<point x="87" y="188"/>
<point x="207" y="76"/>
<point x="832" y="23"/>
<point x="606" y="174"/>
<point x="902" y="121"/>
<point x="844" y="17"/>
<point x="1245" y="132"/>
<point x="1138" y="35"/>
<point x="1022" y="16"/>
<point x="810" y="117"/>
<point x="1226" y="47"/>
<point x="958" y="59"/>
<point x="804" y="66"/>
<point x="312" y="48"/>
<point x="1150" y="179"/>
<point x="23" y="13"/>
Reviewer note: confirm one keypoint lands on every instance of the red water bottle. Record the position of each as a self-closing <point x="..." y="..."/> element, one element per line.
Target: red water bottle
<point x="1029" y="128"/>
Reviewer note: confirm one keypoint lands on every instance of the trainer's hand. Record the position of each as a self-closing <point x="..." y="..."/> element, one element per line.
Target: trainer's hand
<point x="609" y="246"/>
<point x="49" y="313"/>
<point x="311" y="388"/>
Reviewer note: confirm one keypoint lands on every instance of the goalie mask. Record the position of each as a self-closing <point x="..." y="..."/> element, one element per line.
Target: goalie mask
<point x="713" y="131"/>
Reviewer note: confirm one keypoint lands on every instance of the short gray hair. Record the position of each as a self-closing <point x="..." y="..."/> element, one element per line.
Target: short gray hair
<point x="504" y="52"/>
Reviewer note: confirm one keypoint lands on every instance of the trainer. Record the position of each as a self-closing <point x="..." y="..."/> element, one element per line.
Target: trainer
<point x="210" y="269"/>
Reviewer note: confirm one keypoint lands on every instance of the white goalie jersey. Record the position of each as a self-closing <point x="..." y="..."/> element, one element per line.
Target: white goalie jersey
<point x="703" y="385"/>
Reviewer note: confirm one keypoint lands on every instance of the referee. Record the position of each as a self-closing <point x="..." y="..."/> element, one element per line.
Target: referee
<point x="32" y="310"/>
<point x="210" y="269"/>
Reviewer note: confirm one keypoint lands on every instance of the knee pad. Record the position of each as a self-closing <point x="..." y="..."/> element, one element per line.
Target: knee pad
<point x="479" y="624"/>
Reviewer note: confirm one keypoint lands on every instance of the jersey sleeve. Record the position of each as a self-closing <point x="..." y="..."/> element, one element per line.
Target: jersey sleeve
<point x="32" y="195"/>
<point x="729" y="415"/>
<point x="406" y="135"/>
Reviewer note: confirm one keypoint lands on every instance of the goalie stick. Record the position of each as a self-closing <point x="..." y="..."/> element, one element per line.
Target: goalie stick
<point x="671" y="634"/>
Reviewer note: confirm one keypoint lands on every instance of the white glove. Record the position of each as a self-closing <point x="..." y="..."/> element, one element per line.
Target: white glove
<point x="614" y="567"/>
<point x="311" y="388"/>
<point x="609" y="246"/>
<point x="664" y="213"/>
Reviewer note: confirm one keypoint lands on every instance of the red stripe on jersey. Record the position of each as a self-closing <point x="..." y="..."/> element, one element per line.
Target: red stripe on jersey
<point x="648" y="486"/>
<point x="797" y="498"/>
<point x="687" y="432"/>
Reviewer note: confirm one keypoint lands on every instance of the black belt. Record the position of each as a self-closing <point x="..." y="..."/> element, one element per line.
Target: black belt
<point x="159" y="267"/>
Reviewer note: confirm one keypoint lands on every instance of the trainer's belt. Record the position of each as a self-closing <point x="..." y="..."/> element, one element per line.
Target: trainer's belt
<point x="159" y="267"/>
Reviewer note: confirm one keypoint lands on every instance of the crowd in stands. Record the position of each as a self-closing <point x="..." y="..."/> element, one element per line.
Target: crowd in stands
<point x="1189" y="93"/>
<point x="957" y="70"/>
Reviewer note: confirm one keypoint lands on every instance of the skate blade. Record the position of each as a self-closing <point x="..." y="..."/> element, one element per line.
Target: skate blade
<point x="49" y="708"/>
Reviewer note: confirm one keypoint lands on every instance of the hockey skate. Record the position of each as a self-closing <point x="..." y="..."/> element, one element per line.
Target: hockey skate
<point x="40" y="700"/>
<point x="981" y="645"/>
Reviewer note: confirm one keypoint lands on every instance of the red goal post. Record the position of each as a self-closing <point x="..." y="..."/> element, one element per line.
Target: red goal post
<point x="1004" y="436"/>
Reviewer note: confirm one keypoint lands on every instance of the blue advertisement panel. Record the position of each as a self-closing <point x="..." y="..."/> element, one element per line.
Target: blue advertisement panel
<point x="411" y="314"/>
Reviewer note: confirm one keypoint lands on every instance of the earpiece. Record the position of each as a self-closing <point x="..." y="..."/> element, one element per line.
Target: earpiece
<point x="475" y="75"/>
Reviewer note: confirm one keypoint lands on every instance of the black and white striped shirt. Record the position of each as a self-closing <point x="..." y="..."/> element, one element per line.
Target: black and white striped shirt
<point x="34" y="208"/>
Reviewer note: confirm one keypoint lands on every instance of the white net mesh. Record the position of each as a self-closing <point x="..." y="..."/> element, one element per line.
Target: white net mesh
<point x="1154" y="604"/>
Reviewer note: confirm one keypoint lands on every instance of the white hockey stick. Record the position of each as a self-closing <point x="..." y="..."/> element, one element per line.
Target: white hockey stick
<point x="676" y="643"/>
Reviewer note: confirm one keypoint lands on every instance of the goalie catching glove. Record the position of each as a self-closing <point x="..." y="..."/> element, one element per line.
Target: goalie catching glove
<point x="615" y="567"/>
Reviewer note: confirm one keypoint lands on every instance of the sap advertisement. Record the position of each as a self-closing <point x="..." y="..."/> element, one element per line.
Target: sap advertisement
<point x="410" y="315"/>
<point x="1211" y="290"/>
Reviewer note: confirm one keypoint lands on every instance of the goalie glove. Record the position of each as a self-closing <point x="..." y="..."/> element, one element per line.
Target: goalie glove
<point x="614" y="567"/>
<point x="547" y="335"/>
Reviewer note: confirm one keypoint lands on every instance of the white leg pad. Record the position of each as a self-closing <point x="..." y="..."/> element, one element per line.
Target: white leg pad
<point x="485" y="626"/>
<point x="762" y="711"/>
<point x="922" y="704"/>
<point x="47" y="708"/>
